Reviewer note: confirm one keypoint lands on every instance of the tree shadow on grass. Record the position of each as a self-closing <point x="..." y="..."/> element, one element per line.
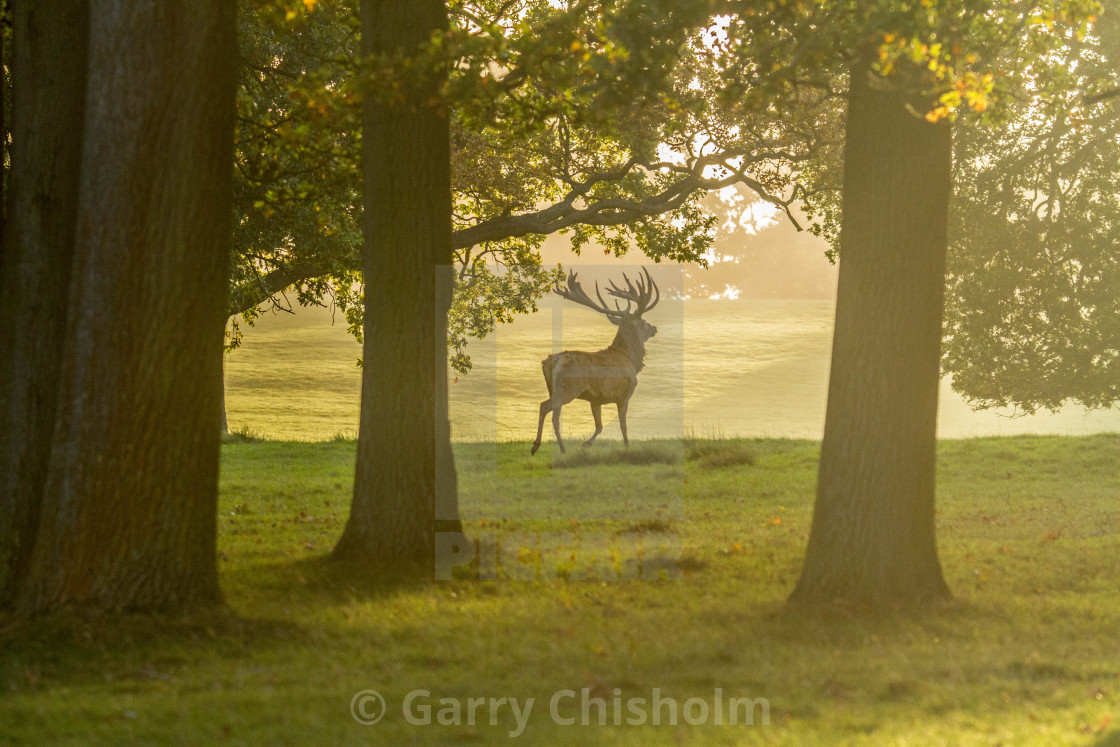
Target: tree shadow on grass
<point x="323" y="580"/>
<point x="75" y="647"/>
<point x="133" y="652"/>
<point x="843" y="623"/>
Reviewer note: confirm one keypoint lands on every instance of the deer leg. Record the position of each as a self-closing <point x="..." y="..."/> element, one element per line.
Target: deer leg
<point x="546" y="407"/>
<point x="622" y="420"/>
<point x="597" y="412"/>
<point x="556" y="427"/>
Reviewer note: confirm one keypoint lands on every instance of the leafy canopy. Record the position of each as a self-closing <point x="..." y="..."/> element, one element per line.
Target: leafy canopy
<point x="599" y="119"/>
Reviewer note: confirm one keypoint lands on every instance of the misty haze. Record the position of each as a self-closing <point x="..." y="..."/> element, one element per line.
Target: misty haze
<point x="560" y="372"/>
<point x="754" y="365"/>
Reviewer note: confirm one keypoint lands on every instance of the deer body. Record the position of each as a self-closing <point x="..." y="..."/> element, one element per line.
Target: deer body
<point x="608" y="376"/>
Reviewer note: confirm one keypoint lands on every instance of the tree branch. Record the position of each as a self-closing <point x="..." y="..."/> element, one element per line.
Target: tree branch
<point x="248" y="295"/>
<point x="616" y="211"/>
<point x="1108" y="94"/>
<point x="611" y="211"/>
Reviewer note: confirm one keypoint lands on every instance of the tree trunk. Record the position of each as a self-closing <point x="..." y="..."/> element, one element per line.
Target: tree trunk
<point x="404" y="445"/>
<point x="49" y="59"/>
<point x="129" y="508"/>
<point x="225" y="421"/>
<point x="5" y="125"/>
<point x="872" y="540"/>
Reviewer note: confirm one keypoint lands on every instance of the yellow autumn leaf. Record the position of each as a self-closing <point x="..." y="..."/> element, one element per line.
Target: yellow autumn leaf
<point x="952" y="99"/>
<point x="310" y="5"/>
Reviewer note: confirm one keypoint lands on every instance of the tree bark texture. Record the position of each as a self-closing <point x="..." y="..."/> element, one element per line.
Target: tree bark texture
<point x="404" y="466"/>
<point x="48" y="71"/>
<point x="224" y="430"/>
<point x="129" y="508"/>
<point x="872" y="540"/>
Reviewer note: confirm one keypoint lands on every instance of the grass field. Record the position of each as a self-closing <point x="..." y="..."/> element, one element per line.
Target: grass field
<point x="742" y="368"/>
<point x="1029" y="531"/>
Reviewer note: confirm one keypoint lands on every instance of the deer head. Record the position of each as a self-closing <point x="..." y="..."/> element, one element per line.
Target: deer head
<point x="640" y="297"/>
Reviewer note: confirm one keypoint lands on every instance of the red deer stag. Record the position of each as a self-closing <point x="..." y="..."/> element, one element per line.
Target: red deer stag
<point x="608" y="376"/>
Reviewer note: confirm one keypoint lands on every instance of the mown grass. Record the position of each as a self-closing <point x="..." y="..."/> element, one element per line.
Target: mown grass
<point x="704" y="452"/>
<point x="1029" y="532"/>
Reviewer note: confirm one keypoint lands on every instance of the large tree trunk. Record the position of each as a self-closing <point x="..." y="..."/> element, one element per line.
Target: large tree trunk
<point x="872" y="539"/>
<point x="48" y="89"/>
<point x="5" y="125"/>
<point x="404" y="447"/>
<point x="224" y="419"/>
<point x="129" y="508"/>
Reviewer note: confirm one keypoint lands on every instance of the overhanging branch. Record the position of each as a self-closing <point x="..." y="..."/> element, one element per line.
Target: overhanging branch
<point x="1109" y="94"/>
<point x="616" y="211"/>
<point x="611" y="211"/>
<point x="248" y="295"/>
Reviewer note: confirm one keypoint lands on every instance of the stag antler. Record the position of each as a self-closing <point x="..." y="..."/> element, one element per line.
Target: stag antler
<point x="575" y="292"/>
<point x="639" y="293"/>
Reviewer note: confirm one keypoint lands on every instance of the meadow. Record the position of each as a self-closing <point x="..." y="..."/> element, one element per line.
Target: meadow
<point x="748" y="367"/>
<point x="1029" y="533"/>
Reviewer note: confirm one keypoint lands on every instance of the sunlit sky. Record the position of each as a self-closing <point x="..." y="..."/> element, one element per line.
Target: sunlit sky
<point x="757" y="253"/>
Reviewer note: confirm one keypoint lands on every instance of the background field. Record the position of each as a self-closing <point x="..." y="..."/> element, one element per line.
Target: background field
<point x="1028" y="654"/>
<point x="730" y="368"/>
